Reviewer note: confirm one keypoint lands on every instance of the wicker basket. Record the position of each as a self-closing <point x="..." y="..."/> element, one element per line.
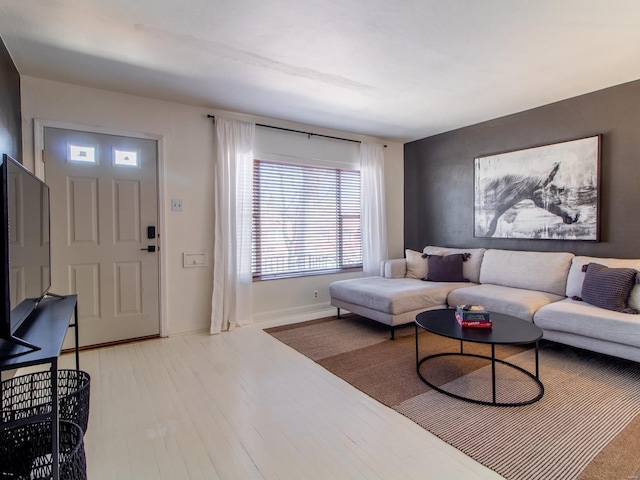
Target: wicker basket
<point x="28" y="395"/>
<point x="25" y="452"/>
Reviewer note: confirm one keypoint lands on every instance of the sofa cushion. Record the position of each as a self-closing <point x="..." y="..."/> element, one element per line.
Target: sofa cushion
<point x="586" y="320"/>
<point x="608" y="288"/>
<point x="470" y="268"/>
<point x="392" y="296"/>
<point x="518" y="302"/>
<point x="543" y="271"/>
<point x="417" y="266"/>
<point x="576" y="275"/>
<point x="446" y="268"/>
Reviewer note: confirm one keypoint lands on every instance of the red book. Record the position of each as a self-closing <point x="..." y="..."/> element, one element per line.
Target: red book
<point x="473" y="323"/>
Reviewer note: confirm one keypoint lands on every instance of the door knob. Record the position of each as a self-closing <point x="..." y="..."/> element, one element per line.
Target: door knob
<point x="149" y="248"/>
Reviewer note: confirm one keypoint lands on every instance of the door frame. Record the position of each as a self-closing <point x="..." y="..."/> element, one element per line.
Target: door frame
<point x="38" y="146"/>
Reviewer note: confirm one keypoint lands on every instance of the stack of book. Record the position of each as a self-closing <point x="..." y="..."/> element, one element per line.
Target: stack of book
<point x="474" y="316"/>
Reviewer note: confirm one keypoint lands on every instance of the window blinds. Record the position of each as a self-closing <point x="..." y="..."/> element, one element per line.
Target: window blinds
<point x="306" y="220"/>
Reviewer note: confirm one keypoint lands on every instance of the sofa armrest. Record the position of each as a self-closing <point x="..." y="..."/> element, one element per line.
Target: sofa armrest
<point x="395" y="268"/>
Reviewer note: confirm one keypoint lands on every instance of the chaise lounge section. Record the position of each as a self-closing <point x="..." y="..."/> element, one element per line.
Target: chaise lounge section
<point x="399" y="293"/>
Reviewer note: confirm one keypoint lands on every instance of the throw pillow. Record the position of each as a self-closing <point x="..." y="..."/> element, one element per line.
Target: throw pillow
<point x="446" y="268"/>
<point x="608" y="288"/>
<point x="416" y="265"/>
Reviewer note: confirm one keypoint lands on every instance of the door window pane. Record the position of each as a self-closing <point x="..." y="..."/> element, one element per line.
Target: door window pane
<point x="128" y="158"/>
<point x="78" y="153"/>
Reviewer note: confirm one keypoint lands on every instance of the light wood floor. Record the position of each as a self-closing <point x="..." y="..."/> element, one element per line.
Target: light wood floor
<point x="242" y="405"/>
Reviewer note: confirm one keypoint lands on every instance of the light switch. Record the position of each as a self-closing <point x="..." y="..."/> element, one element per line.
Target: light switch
<point x="190" y="260"/>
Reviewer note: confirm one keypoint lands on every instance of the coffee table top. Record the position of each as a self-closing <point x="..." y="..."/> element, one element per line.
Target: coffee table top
<point x="506" y="329"/>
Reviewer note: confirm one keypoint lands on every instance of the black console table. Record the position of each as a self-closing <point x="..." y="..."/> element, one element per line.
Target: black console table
<point x="46" y="328"/>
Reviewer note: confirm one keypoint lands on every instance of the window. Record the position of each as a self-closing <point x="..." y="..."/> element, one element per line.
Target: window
<point x="306" y="220"/>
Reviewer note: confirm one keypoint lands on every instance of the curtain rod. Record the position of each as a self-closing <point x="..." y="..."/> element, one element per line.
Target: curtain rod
<point x="300" y="131"/>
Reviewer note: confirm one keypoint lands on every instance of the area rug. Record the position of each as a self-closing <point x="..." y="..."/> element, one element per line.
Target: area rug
<point x="586" y="426"/>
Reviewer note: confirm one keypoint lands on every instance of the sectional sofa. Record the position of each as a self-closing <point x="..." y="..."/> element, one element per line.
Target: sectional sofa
<point x="545" y="288"/>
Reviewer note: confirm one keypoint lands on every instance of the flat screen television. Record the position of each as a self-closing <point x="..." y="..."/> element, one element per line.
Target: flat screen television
<point x="25" y="247"/>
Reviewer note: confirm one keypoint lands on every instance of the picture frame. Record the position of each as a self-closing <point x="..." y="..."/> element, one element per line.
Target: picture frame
<point x="549" y="192"/>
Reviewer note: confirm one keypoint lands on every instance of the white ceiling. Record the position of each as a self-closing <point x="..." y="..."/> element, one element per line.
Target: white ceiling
<point x="402" y="69"/>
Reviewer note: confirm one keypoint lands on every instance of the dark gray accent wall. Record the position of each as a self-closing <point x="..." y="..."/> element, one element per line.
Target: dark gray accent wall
<point x="10" y="119"/>
<point x="439" y="172"/>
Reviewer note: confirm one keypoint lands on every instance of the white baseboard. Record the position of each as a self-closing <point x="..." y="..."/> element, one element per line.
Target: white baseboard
<point x="288" y="316"/>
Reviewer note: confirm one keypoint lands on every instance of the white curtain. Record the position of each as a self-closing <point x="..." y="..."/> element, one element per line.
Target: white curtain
<point x="374" y="218"/>
<point x="231" y="302"/>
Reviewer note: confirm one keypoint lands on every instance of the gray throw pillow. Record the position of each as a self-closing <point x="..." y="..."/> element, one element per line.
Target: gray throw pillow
<point x="608" y="288"/>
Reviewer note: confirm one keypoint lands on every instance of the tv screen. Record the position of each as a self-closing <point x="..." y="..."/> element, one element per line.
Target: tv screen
<point x="25" y="243"/>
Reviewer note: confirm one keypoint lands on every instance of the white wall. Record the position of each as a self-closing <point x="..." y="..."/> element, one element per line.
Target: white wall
<point x="187" y="173"/>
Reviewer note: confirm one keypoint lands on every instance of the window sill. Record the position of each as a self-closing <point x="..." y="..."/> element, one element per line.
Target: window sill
<point x="281" y="276"/>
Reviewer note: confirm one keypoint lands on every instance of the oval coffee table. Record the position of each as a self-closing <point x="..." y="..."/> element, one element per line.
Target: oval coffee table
<point x="506" y="330"/>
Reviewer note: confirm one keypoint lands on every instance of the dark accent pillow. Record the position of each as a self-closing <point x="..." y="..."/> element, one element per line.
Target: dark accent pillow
<point x="608" y="288"/>
<point x="446" y="268"/>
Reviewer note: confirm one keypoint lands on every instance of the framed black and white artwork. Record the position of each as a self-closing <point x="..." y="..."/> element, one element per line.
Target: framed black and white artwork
<point x="546" y="192"/>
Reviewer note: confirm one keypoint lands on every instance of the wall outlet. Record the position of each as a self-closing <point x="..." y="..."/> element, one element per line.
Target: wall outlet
<point x="176" y="204"/>
<point x="315" y="294"/>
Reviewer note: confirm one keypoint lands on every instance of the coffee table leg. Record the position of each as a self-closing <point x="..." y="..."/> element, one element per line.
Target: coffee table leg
<point x="417" y="359"/>
<point x="461" y="351"/>
<point x="493" y="370"/>
<point x="537" y="371"/>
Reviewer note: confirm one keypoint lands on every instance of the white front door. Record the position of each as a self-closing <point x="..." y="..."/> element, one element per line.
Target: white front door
<point x="104" y="242"/>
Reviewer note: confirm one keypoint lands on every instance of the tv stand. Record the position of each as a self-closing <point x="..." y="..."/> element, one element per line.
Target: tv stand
<point x="46" y="327"/>
<point x="15" y="339"/>
<point x="55" y="295"/>
<point x="18" y="341"/>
